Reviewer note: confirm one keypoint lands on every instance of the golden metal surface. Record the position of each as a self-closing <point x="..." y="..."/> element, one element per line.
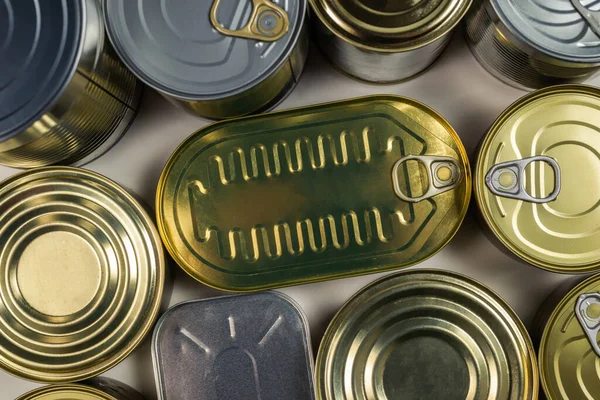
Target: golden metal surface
<point x="390" y="26"/>
<point x="562" y="123"/>
<point x="268" y="22"/>
<point x="66" y="392"/>
<point x="426" y="334"/>
<point x="82" y="271"/>
<point x="308" y="194"/>
<point x="569" y="367"/>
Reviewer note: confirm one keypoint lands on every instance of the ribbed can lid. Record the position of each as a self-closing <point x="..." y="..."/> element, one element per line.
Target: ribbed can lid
<point x="554" y="27"/>
<point x="174" y="47"/>
<point x="39" y="47"/>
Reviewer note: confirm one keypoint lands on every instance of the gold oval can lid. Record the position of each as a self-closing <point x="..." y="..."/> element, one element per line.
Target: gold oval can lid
<point x="426" y="334"/>
<point x="67" y="392"/>
<point x="569" y="354"/>
<point x="537" y="178"/>
<point x="327" y="191"/>
<point x="82" y="272"/>
<point x="390" y="26"/>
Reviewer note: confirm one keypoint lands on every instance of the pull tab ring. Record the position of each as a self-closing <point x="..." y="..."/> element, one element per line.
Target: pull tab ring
<point x="268" y="22"/>
<point x="592" y="17"/>
<point x="443" y="174"/>
<point x="590" y="323"/>
<point x="506" y="179"/>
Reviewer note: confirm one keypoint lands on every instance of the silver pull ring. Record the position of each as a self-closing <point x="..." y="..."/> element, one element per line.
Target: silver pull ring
<point x="592" y="17"/>
<point x="589" y="321"/>
<point x="506" y="179"/>
<point x="443" y="174"/>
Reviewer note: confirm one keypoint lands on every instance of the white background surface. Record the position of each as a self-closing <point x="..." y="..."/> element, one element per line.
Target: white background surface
<point x="457" y="87"/>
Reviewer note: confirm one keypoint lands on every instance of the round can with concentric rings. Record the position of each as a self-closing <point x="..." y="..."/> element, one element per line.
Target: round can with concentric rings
<point x="84" y="272"/>
<point x="534" y="44"/>
<point x="65" y="98"/>
<point x="537" y="179"/>
<point x="385" y="41"/>
<point x="214" y="58"/>
<point x="94" y="389"/>
<point x="569" y="354"/>
<point x="426" y="334"/>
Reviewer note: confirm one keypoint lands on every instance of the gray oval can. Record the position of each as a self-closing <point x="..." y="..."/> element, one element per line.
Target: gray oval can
<point x="217" y="59"/>
<point x="65" y="98"/>
<point x="531" y="44"/>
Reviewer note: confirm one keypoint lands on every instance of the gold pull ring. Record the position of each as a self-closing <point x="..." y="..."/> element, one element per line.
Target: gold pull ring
<point x="268" y="22"/>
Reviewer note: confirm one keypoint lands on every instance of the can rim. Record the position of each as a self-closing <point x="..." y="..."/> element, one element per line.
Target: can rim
<point x="82" y="389"/>
<point x="316" y="7"/>
<point x="333" y="326"/>
<point x="160" y="282"/>
<point x="184" y="265"/>
<point x="479" y="176"/>
<point x="64" y="82"/>
<point x="551" y="320"/>
<point x="151" y="82"/>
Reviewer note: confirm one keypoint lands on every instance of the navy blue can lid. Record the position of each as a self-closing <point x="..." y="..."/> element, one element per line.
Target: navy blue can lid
<point x="40" y="43"/>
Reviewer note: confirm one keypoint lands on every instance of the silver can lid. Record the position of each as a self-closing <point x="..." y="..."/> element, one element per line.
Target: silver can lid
<point x="554" y="27"/>
<point x="39" y="46"/>
<point x="253" y="346"/>
<point x="204" y="50"/>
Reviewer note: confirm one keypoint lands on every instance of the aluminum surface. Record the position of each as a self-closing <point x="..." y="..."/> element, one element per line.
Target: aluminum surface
<point x="560" y="123"/>
<point x="64" y="96"/>
<point x="177" y="50"/>
<point x="95" y="389"/>
<point x="308" y="194"/>
<point x="229" y="348"/>
<point x="426" y="334"/>
<point x="568" y="363"/>
<point x="533" y="44"/>
<point x="385" y="42"/>
<point x="84" y="271"/>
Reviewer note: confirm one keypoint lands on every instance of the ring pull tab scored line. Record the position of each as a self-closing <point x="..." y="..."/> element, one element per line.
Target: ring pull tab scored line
<point x="592" y="17"/>
<point x="515" y="189"/>
<point x="437" y="184"/>
<point x="589" y="323"/>
<point x="268" y="22"/>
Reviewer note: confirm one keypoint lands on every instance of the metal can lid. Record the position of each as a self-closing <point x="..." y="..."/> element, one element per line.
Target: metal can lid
<point x="176" y="48"/>
<point x="70" y="392"/>
<point x="390" y="26"/>
<point x="569" y="354"/>
<point x="228" y="348"/>
<point x="84" y="271"/>
<point x="537" y="178"/>
<point x="40" y="43"/>
<point x="426" y="334"/>
<point x="554" y="27"/>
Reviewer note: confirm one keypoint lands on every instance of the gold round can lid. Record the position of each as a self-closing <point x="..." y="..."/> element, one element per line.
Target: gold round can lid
<point x="569" y="355"/>
<point x="426" y="334"/>
<point x="67" y="392"/>
<point x="82" y="272"/>
<point x="537" y="178"/>
<point x="390" y="26"/>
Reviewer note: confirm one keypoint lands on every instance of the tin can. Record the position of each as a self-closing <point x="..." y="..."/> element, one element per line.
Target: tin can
<point x="568" y="352"/>
<point x="65" y="98"/>
<point x="215" y="58"/>
<point x="322" y="192"/>
<point x="536" y="181"/>
<point x="94" y="389"/>
<point x="237" y="347"/>
<point x="385" y="42"/>
<point x="426" y="334"/>
<point x="84" y="272"/>
<point x="531" y="44"/>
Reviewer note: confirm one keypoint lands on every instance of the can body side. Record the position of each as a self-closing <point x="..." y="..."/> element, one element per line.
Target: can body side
<point x="372" y="66"/>
<point x="263" y="97"/>
<point x="94" y="110"/>
<point x="510" y="60"/>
